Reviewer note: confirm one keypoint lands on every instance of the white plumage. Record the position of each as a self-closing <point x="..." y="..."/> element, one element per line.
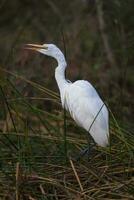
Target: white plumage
<point x="79" y="98"/>
<point x="84" y="105"/>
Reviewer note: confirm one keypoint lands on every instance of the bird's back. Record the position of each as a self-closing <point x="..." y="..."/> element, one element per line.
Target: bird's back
<point x="87" y="109"/>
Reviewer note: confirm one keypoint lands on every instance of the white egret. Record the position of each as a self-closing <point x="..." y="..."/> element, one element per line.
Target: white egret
<point x="79" y="98"/>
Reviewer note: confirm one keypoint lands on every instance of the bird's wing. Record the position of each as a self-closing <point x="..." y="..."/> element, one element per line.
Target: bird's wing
<point x="86" y="107"/>
<point x="81" y="94"/>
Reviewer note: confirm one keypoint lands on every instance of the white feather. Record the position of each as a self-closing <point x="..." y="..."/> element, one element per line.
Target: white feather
<point x="87" y="109"/>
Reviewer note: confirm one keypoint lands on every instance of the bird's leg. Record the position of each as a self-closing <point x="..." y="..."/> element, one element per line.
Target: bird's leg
<point x="89" y="145"/>
<point x="87" y="150"/>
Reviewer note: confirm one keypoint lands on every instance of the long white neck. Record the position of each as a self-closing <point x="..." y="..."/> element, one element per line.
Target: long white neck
<point x="60" y="71"/>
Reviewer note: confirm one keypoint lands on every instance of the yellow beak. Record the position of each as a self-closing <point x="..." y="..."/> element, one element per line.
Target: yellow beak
<point x="35" y="47"/>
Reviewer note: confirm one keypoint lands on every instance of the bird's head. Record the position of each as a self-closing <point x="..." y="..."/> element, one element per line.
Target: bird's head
<point x="47" y="49"/>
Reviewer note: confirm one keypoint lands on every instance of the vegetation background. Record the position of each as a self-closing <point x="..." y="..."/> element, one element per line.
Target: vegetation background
<point x="98" y="39"/>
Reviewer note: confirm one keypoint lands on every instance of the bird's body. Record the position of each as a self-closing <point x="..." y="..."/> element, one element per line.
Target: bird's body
<point x="87" y="109"/>
<point x="79" y="98"/>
